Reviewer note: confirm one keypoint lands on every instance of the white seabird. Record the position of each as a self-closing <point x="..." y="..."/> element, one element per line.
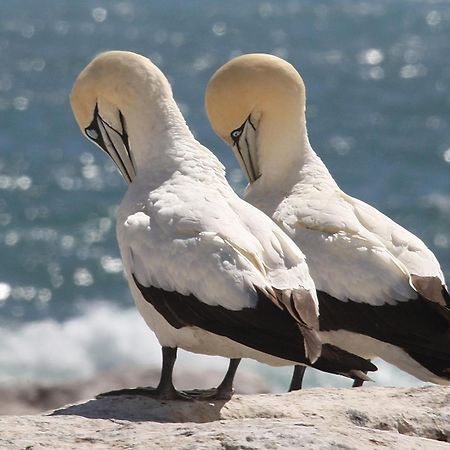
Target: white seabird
<point x="208" y="272"/>
<point x="381" y="290"/>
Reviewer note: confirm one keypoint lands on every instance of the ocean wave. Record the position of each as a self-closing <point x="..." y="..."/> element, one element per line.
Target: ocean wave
<point x="105" y="337"/>
<point x="101" y="338"/>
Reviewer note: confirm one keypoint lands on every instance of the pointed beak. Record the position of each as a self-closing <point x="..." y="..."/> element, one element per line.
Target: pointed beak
<point x="114" y="142"/>
<point x="245" y="149"/>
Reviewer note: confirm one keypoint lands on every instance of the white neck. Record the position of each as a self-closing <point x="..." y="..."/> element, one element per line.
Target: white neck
<point x="281" y="147"/>
<point x="284" y="150"/>
<point x="286" y="159"/>
<point x="161" y="144"/>
<point x="153" y="131"/>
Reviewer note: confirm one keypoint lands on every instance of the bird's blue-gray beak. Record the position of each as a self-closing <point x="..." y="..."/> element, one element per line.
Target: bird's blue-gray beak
<point x="244" y="147"/>
<point x="114" y="142"/>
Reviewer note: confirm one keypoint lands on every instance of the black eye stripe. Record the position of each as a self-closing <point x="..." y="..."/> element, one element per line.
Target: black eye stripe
<point x="236" y="134"/>
<point x="99" y="130"/>
<point x="93" y="130"/>
<point x="92" y="133"/>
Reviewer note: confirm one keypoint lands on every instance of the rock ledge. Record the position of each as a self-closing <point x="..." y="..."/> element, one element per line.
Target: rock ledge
<point x="417" y="418"/>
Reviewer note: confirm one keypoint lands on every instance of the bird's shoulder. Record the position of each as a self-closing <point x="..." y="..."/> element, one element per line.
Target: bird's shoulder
<point x="224" y="241"/>
<point x="366" y="255"/>
<point x="192" y="242"/>
<point x="403" y="244"/>
<point x="317" y="208"/>
<point x="345" y="259"/>
<point x="332" y="211"/>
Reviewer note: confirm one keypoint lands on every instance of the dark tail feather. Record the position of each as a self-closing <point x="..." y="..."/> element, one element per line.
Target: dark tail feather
<point x="338" y="361"/>
<point x="434" y="355"/>
<point x="419" y="326"/>
<point x="439" y="367"/>
<point x="266" y="328"/>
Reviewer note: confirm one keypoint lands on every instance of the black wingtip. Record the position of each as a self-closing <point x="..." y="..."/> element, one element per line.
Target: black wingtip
<point x="446" y="295"/>
<point x="336" y="360"/>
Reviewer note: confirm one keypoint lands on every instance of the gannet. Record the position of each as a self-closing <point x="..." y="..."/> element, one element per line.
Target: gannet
<point x="381" y="291"/>
<point x="209" y="273"/>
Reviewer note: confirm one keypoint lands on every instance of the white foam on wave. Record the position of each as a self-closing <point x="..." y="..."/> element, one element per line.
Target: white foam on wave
<point x="105" y="337"/>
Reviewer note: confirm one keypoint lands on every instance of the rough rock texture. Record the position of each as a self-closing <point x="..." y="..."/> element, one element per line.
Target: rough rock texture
<point x="32" y="398"/>
<point x="388" y="418"/>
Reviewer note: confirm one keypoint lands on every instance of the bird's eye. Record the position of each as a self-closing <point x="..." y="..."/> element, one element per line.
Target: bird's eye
<point x="235" y="134"/>
<point x="91" y="133"/>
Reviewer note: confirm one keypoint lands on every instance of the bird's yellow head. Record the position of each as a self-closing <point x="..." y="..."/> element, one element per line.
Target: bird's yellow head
<point x="247" y="92"/>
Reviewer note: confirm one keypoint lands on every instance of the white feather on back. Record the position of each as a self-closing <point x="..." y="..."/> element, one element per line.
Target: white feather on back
<point x="352" y="267"/>
<point x="408" y="248"/>
<point x="353" y="250"/>
<point x="205" y="241"/>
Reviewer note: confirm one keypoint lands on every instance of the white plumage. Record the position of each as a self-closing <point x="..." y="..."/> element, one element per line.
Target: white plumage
<point x="209" y="272"/>
<point x="356" y="255"/>
<point x="197" y="240"/>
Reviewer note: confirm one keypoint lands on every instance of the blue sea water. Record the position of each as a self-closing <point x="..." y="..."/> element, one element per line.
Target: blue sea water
<point x="378" y="88"/>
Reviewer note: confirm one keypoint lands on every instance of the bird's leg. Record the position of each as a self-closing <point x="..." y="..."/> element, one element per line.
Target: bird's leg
<point x="358" y="383"/>
<point x="297" y="378"/>
<point x="165" y="389"/>
<point x="225" y="389"/>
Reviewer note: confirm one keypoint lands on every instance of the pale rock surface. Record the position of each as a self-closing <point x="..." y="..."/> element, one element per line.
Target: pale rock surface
<point x="365" y="418"/>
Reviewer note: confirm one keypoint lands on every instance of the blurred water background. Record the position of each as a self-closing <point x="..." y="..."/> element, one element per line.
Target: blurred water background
<point x="378" y="85"/>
